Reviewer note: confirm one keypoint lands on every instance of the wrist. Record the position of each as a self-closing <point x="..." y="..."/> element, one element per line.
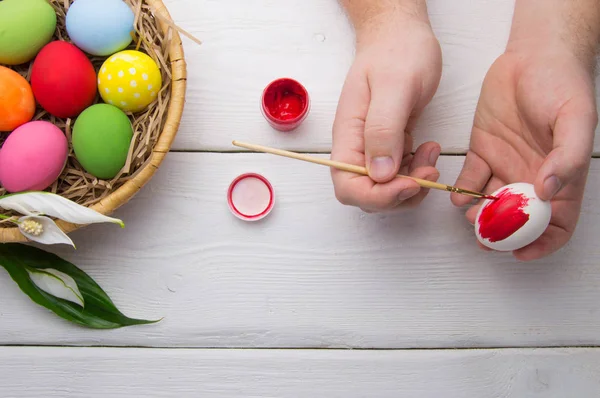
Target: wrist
<point x="371" y="15"/>
<point x="556" y="25"/>
<point x="393" y="22"/>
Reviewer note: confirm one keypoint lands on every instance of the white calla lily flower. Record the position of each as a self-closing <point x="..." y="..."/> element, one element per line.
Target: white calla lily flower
<point x="56" y="283"/>
<point x="43" y="230"/>
<point x="46" y="203"/>
<point x="36" y="206"/>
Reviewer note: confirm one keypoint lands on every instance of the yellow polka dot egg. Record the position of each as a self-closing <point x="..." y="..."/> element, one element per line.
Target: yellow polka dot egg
<point x="129" y="80"/>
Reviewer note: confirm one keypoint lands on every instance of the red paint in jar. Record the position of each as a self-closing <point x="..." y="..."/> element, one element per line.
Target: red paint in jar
<point x="285" y="104"/>
<point x="504" y="216"/>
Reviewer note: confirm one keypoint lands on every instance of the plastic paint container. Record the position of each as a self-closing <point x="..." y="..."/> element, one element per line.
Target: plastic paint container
<point x="250" y="197"/>
<point x="285" y="104"/>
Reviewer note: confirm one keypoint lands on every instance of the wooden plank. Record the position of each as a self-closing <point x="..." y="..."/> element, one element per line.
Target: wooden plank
<point x="314" y="273"/>
<point x="249" y="43"/>
<point x="104" y="372"/>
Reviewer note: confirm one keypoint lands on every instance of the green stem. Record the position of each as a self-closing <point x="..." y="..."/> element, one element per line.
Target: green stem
<point x="5" y="217"/>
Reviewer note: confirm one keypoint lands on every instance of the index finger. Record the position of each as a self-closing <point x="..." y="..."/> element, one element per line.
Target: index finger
<point x="349" y="124"/>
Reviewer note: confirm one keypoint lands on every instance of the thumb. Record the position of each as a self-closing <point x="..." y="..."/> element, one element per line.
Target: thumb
<point x="570" y="157"/>
<point x="389" y="110"/>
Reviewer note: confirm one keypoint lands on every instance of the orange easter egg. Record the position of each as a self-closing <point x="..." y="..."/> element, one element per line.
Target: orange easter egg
<point x="17" y="103"/>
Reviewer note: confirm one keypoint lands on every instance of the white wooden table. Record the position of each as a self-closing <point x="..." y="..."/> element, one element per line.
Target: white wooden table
<point x="318" y="300"/>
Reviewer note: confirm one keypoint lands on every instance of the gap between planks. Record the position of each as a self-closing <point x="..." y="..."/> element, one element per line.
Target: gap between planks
<point x="246" y="348"/>
<point x="235" y="151"/>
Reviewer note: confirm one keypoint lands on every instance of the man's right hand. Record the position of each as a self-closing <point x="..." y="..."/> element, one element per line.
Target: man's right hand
<point x="395" y="74"/>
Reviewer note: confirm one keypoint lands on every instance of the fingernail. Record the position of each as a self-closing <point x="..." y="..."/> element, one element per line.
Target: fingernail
<point x="551" y="186"/>
<point x="434" y="155"/>
<point x="381" y="167"/>
<point x="408" y="193"/>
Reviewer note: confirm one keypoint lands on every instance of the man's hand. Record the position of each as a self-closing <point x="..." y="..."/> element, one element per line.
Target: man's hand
<point x="395" y="74"/>
<point x="536" y="115"/>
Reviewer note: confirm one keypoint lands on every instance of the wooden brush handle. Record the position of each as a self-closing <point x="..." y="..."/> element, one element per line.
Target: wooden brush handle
<point x="332" y="163"/>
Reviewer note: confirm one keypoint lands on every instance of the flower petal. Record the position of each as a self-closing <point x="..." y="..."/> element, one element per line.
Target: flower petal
<point x="32" y="203"/>
<point x="51" y="234"/>
<point x="56" y="283"/>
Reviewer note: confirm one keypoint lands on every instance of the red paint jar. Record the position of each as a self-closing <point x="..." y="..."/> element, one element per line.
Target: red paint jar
<point x="285" y="104"/>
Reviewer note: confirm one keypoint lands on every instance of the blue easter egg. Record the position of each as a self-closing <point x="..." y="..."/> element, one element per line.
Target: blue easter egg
<point x="100" y="27"/>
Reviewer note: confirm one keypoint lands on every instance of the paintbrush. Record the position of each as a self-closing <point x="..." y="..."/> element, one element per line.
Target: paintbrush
<point x="357" y="169"/>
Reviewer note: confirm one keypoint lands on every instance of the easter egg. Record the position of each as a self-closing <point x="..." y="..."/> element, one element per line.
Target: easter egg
<point x="101" y="138"/>
<point x="25" y="27"/>
<point x="516" y="218"/>
<point x="100" y="27"/>
<point x="129" y="80"/>
<point x="17" y="104"/>
<point x="63" y="79"/>
<point x="33" y="157"/>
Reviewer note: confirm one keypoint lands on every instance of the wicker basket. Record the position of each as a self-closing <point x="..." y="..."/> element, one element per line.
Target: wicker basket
<point x="171" y="117"/>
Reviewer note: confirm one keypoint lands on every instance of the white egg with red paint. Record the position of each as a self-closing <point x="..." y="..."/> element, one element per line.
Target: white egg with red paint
<point x="514" y="219"/>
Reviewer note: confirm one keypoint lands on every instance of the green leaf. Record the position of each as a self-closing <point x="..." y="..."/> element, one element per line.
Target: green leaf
<point x="99" y="312"/>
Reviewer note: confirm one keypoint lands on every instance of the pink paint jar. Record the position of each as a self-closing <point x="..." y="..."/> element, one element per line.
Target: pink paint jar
<point x="285" y="104"/>
<point x="250" y="197"/>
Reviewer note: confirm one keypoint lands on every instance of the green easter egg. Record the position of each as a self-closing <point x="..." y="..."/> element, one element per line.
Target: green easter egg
<point x="101" y="138"/>
<point x="25" y="27"/>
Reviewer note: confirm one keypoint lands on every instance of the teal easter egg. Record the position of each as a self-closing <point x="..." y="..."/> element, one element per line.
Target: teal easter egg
<point x="25" y="27"/>
<point x="101" y="139"/>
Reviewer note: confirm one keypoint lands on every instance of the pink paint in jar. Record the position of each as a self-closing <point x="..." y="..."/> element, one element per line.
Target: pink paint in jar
<point x="250" y="197"/>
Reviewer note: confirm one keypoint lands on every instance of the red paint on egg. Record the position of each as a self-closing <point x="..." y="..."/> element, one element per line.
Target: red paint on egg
<point x="63" y="79"/>
<point x="285" y="104"/>
<point x="504" y="216"/>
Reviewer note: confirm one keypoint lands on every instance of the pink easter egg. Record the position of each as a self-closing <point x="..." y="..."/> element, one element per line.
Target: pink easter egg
<point x="33" y="157"/>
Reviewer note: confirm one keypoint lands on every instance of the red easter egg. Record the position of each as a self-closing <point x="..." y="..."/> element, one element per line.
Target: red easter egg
<point x="63" y="79"/>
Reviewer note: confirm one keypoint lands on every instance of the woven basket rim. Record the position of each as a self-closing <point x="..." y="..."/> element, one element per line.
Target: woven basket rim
<point x="124" y="193"/>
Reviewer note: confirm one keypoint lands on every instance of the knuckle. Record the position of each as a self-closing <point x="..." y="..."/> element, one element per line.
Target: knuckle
<point x="380" y="131"/>
<point x="594" y="116"/>
<point x="353" y="123"/>
<point x="580" y="164"/>
<point x="413" y="202"/>
<point x="377" y="203"/>
<point x="344" y="129"/>
<point x="342" y="195"/>
<point x="580" y="161"/>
